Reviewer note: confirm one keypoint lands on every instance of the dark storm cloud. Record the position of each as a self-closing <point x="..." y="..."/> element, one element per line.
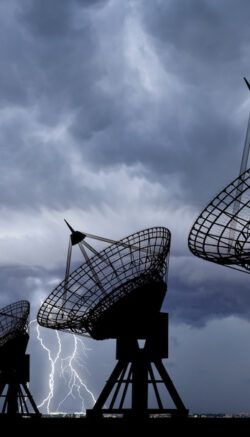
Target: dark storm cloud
<point x="54" y="60"/>
<point x="68" y="66"/>
<point x="205" y="48"/>
<point x="205" y="45"/>
<point x="49" y="70"/>
<point x="18" y="282"/>
<point x="35" y="173"/>
<point x="181" y="24"/>
<point x="216" y="297"/>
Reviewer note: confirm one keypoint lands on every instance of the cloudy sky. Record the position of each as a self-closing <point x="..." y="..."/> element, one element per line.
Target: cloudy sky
<point x="120" y="115"/>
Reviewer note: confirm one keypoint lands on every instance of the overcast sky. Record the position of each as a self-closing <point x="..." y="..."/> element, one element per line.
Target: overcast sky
<point x="120" y="115"/>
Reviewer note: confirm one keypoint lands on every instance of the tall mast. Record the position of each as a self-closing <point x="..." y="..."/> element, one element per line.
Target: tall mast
<point x="245" y="154"/>
<point x="243" y="167"/>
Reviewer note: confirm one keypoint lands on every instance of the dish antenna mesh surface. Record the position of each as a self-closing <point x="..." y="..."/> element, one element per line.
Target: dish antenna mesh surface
<point x="16" y="399"/>
<point x="118" y="293"/>
<point x="79" y="302"/>
<point x="221" y="233"/>
<point x="13" y="321"/>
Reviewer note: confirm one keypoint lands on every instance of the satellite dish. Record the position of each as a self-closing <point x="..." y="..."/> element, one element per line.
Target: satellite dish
<point x="14" y="363"/>
<point x="127" y="277"/>
<point x="14" y="321"/>
<point x="221" y="233"/>
<point x="118" y="293"/>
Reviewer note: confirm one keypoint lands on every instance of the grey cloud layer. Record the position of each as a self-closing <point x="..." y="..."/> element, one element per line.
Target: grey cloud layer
<point x="72" y="67"/>
<point x="69" y="64"/>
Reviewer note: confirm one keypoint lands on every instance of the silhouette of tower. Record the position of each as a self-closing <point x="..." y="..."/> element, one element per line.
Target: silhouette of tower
<point x="14" y="362"/>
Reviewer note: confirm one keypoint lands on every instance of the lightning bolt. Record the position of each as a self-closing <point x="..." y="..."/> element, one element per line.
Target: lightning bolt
<point x="52" y="372"/>
<point x="68" y="372"/>
<point x="74" y="380"/>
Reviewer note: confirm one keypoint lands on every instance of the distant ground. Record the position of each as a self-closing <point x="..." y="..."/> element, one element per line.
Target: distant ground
<point x="154" y="426"/>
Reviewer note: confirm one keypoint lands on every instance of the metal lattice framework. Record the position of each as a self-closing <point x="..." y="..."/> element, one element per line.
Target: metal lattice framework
<point x="13" y="320"/>
<point x="79" y="301"/>
<point x="221" y="233"/>
<point x="16" y="399"/>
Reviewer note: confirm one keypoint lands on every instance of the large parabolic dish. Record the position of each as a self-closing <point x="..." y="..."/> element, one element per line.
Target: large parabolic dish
<point x="13" y="321"/>
<point x="116" y="290"/>
<point x="221" y="233"/>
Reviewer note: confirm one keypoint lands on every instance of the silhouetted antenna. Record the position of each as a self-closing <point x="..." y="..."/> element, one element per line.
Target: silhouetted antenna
<point x="105" y="274"/>
<point x="245" y="154"/>
<point x="118" y="293"/>
<point x="221" y="233"/>
<point x="248" y="84"/>
<point x="243" y="168"/>
<point x="14" y="363"/>
<point x="13" y="321"/>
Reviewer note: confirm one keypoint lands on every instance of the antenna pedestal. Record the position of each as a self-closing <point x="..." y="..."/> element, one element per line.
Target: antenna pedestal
<point x="16" y="399"/>
<point x="138" y="372"/>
